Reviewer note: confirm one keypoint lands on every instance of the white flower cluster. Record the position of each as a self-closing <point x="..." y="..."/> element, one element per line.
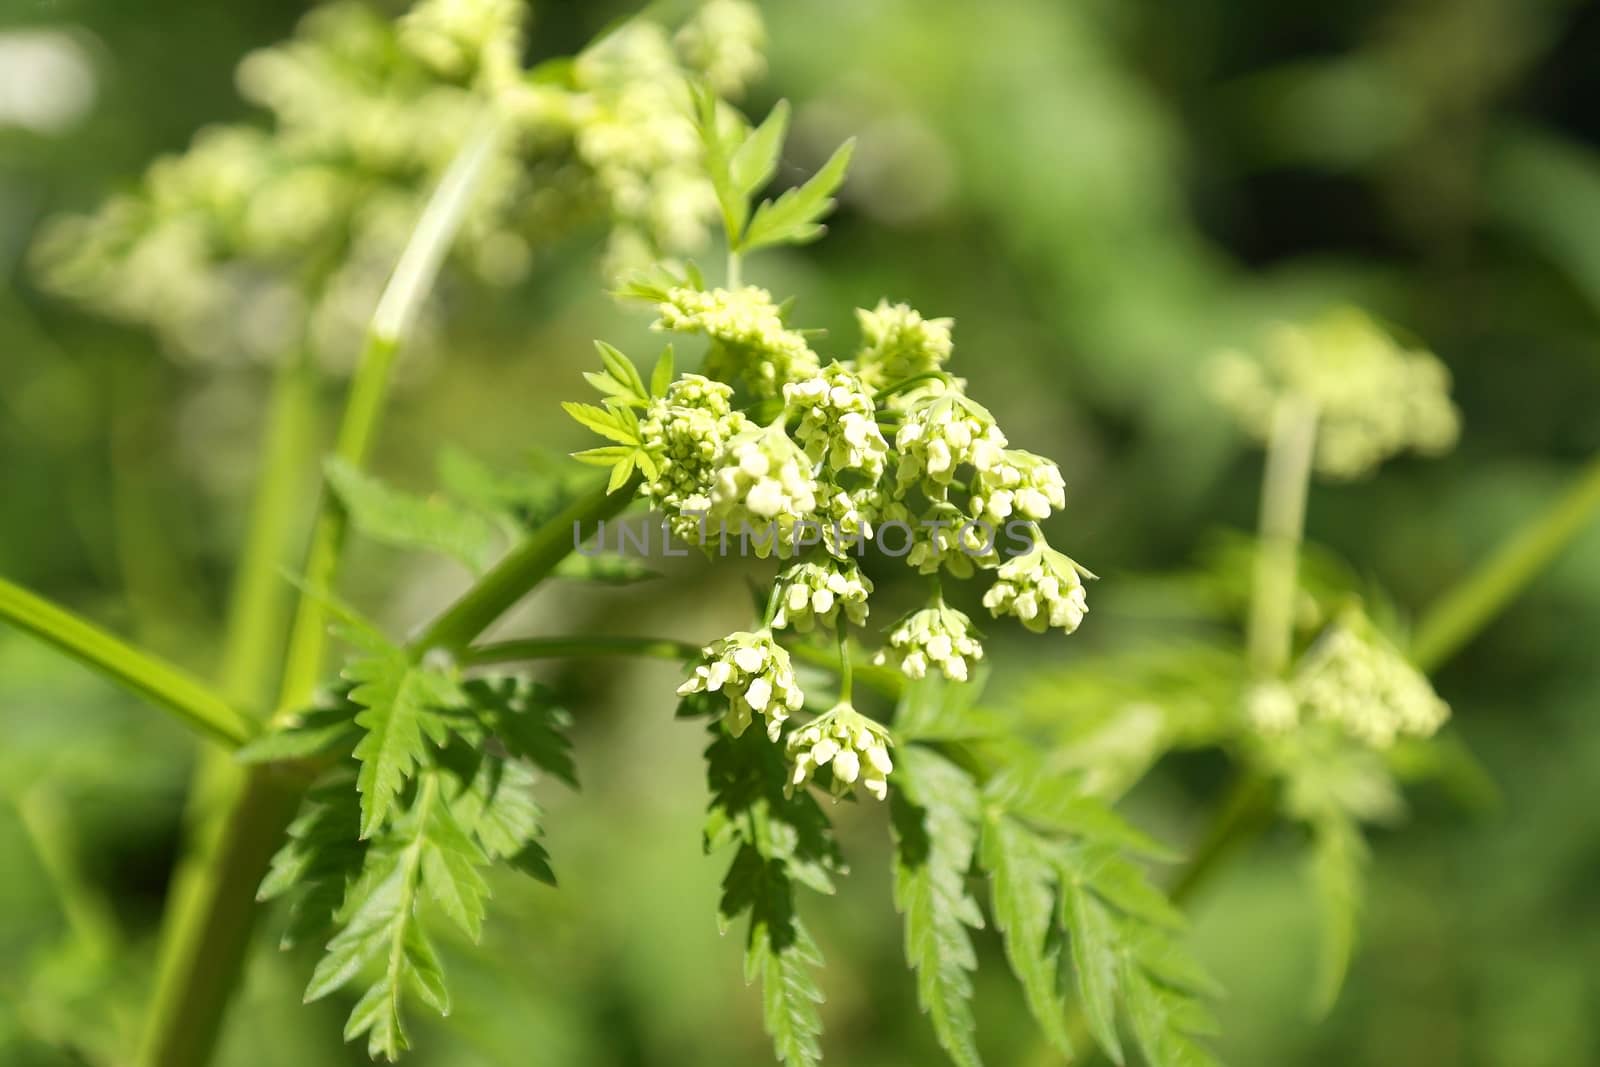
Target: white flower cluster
<point x="1354" y="678"/>
<point x="461" y="39"/>
<point x="766" y="484"/>
<point x="753" y="671"/>
<point x="1018" y="484"/>
<point x="810" y="594"/>
<point x="750" y="342"/>
<point x="856" y="747"/>
<point x="211" y="251"/>
<point x="838" y="421"/>
<point x="898" y="343"/>
<point x="1043" y="589"/>
<point x="1374" y="398"/>
<point x="940" y="637"/>
<point x="688" y="432"/>
<point x="941" y="432"/>
<point x="726" y="41"/>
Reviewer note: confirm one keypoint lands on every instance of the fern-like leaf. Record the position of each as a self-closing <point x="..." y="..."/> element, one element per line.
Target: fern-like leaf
<point x="404" y="705"/>
<point x="1024" y="883"/>
<point x="934" y="811"/>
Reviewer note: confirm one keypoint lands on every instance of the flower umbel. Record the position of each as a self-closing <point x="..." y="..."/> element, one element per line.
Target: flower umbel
<point x="1374" y="398"/>
<point x="1043" y="589"/>
<point x="753" y="671"/>
<point x="940" y="637"/>
<point x="1354" y="678"/>
<point x="813" y="593"/>
<point x="855" y="746"/>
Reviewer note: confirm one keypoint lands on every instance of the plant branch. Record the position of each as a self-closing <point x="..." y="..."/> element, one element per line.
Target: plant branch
<point x="397" y="310"/>
<point x="166" y="685"/>
<point x="186" y="1015"/>
<point x="1460" y="614"/>
<point x="1282" y="527"/>
<point x="523" y="568"/>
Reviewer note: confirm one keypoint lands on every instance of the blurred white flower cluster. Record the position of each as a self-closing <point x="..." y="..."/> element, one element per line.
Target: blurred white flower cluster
<point x="264" y="240"/>
<point x="1354" y="679"/>
<point x="1374" y="398"/>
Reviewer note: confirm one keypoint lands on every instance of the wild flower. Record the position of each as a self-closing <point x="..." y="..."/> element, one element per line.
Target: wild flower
<point x="1373" y="397"/>
<point x="898" y="344"/>
<point x="1043" y="589"/>
<point x="854" y="747"/>
<point x="812" y="594"/>
<point x="935" y="637"/>
<point x="753" y="671"/>
<point x="1354" y="678"/>
<point x="750" y="343"/>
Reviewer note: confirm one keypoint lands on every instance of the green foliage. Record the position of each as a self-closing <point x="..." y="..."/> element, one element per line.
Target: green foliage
<point x="1062" y="877"/>
<point x="404" y="704"/>
<point x="934" y="810"/>
<point x="781" y="840"/>
<point x="401" y="519"/>
<point x="741" y="161"/>
<point x="622" y="391"/>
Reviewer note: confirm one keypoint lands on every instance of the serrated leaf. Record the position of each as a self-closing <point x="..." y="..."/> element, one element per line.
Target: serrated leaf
<point x="622" y="373"/>
<point x="794" y="218"/>
<point x="607" y="422"/>
<point x="403" y="706"/>
<point x="527" y="720"/>
<point x="1093" y="938"/>
<point x="621" y="473"/>
<point x="605" y="455"/>
<point x="320" y="859"/>
<point x="404" y="520"/>
<point x="662" y="375"/>
<point x="1024" y="903"/>
<point x="933" y="811"/>
<point x="783" y="961"/>
<point x="756" y="160"/>
<point x="1119" y="882"/>
<point x="451" y="859"/>
<point x="1055" y="802"/>
<point x="717" y="140"/>
<point x="1162" y="1019"/>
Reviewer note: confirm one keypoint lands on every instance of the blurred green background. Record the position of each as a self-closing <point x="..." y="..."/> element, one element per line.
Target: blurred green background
<point x="1101" y="194"/>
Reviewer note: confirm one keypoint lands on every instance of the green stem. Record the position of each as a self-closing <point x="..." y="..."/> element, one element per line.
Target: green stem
<point x="259" y="602"/>
<point x="575" y="647"/>
<point x="166" y="685"/>
<point x="369" y="389"/>
<point x="525" y="567"/>
<point x="213" y="936"/>
<point x="846" y="674"/>
<point x="1282" y="526"/>
<point x="735" y="270"/>
<point x="1459" y="615"/>
<point x="187" y="1014"/>
<point x="257" y="611"/>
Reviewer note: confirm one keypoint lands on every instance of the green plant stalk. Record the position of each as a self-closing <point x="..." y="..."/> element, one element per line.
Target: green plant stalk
<point x="258" y="606"/>
<point x="1284" y="486"/>
<point x="1460" y="614"/>
<point x="369" y="389"/>
<point x="257" y="614"/>
<point x="186" y="1016"/>
<point x="164" y="684"/>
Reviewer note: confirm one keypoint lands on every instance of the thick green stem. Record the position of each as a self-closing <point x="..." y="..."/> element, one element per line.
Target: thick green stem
<point x="164" y="684"/>
<point x="1471" y="605"/>
<point x="369" y="389"/>
<point x="213" y="938"/>
<point x="205" y="964"/>
<point x="258" y="607"/>
<point x="1283" y="513"/>
<point x="257" y="612"/>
